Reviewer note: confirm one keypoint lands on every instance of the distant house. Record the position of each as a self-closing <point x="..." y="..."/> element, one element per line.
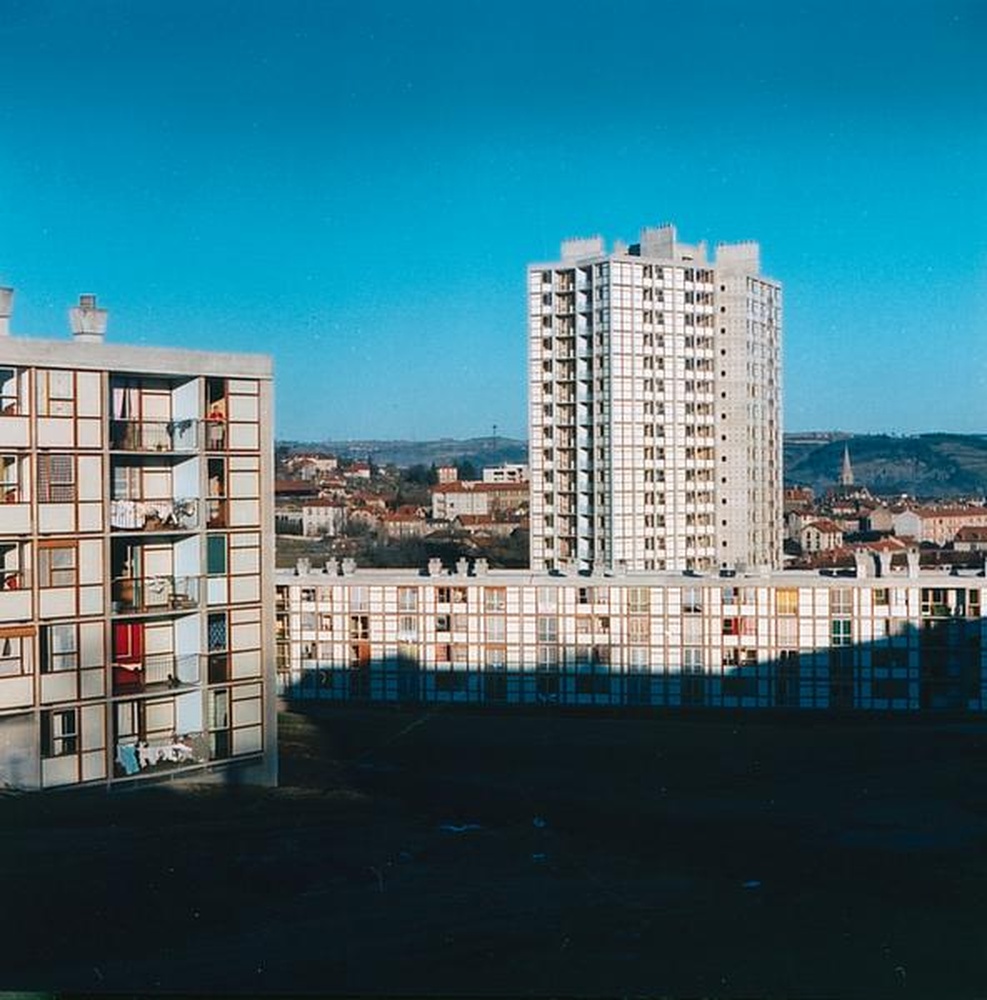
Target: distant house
<point x="403" y="524"/>
<point x="447" y="474"/>
<point x="970" y="539"/>
<point x="294" y="489"/>
<point x="820" y="536"/>
<point x="322" y="518"/>
<point x="938" y="525"/>
<point x="506" y="473"/>
<point x="449" y="500"/>
<point x="311" y="466"/>
<point x="358" y="470"/>
<point x="480" y="524"/>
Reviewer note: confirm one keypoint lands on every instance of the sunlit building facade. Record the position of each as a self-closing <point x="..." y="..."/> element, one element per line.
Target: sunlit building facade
<point x="654" y="407"/>
<point x="878" y="640"/>
<point x="136" y="561"/>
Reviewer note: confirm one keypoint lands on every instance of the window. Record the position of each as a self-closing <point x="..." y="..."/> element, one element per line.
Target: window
<point x="638" y="599"/>
<point x="216" y="631"/>
<point x="548" y="629"/>
<point x="692" y="600"/>
<point x="57" y="564"/>
<point x="359" y="626"/>
<point x="880" y="597"/>
<point x="692" y="660"/>
<point x="15" y="651"/>
<point x="842" y="632"/>
<point x="731" y="626"/>
<point x="788" y="601"/>
<point x="407" y="599"/>
<point x="59" y="647"/>
<point x="56" y="478"/>
<point x="10" y="480"/>
<point x="443" y="623"/>
<point x="59" y="733"/>
<point x="10" y="404"/>
<point x="494" y="598"/>
<point x="56" y="393"/>
<point x="841" y="601"/>
<point x="216" y="559"/>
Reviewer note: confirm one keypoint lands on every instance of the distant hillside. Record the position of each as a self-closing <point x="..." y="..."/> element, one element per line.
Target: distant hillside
<point x="926" y="465"/>
<point x="480" y="451"/>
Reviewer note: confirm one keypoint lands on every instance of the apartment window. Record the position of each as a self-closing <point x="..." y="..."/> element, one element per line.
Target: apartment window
<point x="407" y="627"/>
<point x="359" y="626"/>
<point x="216" y="562"/>
<point x="842" y="632"/>
<point x="443" y="623"/>
<point x="56" y="478"/>
<point x="548" y="629"/>
<point x="880" y="596"/>
<point x="57" y="564"/>
<point x="10" y="403"/>
<point x="59" y="647"/>
<point x="692" y="659"/>
<point x="59" y="733"/>
<point x="56" y="393"/>
<point x="841" y="601"/>
<point x="10" y="480"/>
<point x="407" y="599"/>
<point x="731" y="626"/>
<point x="788" y="601"/>
<point x="217" y="635"/>
<point x="494" y="598"/>
<point x="15" y="652"/>
<point x="638" y="599"/>
<point x="692" y="600"/>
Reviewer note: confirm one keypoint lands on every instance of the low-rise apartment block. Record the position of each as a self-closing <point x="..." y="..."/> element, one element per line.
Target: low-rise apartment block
<point x="879" y="639"/>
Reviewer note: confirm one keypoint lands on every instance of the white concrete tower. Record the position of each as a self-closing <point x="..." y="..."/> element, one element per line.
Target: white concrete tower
<point x="654" y="407"/>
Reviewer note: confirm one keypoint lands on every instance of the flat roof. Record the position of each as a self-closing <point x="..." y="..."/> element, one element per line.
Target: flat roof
<point x="108" y="356"/>
<point x="524" y="577"/>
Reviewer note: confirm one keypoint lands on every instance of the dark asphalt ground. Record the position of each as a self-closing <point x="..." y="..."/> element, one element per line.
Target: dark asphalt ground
<point x="447" y="853"/>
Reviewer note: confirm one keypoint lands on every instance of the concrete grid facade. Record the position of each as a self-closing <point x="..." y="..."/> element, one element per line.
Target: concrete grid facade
<point x="136" y="552"/>
<point x="655" y="398"/>
<point x="903" y="641"/>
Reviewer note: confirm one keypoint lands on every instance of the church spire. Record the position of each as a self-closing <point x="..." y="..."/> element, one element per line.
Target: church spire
<point x="846" y="473"/>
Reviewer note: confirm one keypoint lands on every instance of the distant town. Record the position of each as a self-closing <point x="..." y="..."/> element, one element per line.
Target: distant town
<point x="399" y="503"/>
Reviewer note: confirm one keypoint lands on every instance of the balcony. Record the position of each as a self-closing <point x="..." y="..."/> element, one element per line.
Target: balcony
<point x="134" y="756"/>
<point x="180" y="514"/>
<point x="155" y="594"/>
<point x="154" y="435"/>
<point x="156" y="673"/>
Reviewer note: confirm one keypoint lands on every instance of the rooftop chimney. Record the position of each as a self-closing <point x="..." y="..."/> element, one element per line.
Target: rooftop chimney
<point x="6" y="307"/>
<point x="88" y="323"/>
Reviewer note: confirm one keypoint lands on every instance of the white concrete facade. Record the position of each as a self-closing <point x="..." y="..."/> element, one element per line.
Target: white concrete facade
<point x="655" y="425"/>
<point x="136" y="629"/>
<point x="902" y="641"/>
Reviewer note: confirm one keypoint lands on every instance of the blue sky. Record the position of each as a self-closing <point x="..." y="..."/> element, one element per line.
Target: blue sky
<point x="357" y="188"/>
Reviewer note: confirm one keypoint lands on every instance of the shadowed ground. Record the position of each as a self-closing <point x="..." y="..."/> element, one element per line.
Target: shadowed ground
<point x="431" y="852"/>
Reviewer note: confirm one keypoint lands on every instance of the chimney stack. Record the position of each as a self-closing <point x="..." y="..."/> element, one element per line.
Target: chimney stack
<point x="87" y="321"/>
<point x="6" y="307"/>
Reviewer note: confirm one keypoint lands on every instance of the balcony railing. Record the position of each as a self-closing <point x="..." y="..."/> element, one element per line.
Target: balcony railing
<point x="134" y="755"/>
<point x="180" y="514"/>
<point x="138" y="595"/>
<point x="154" y="435"/>
<point x="160" y="672"/>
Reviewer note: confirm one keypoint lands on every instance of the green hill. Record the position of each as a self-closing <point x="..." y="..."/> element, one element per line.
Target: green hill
<point x="924" y="465"/>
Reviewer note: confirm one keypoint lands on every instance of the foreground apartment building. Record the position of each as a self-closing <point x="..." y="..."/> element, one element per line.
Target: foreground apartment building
<point x="136" y="560"/>
<point x="878" y="639"/>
